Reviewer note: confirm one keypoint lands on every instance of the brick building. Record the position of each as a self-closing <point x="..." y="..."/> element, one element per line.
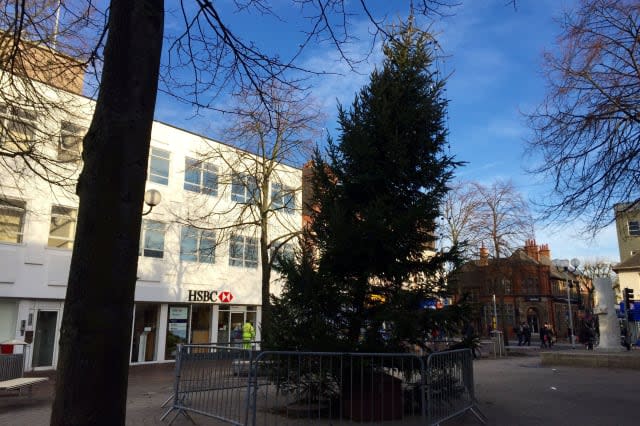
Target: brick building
<point x="527" y="287"/>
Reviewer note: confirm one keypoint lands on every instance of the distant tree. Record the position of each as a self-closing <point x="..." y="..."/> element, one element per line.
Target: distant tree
<point x="587" y="130"/>
<point x="592" y="269"/>
<point x="502" y="218"/>
<point x="377" y="199"/>
<point x="459" y="224"/>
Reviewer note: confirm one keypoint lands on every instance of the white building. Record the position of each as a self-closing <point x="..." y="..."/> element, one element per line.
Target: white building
<point x="193" y="285"/>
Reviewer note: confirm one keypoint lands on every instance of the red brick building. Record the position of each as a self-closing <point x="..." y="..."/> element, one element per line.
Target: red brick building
<point x="526" y="286"/>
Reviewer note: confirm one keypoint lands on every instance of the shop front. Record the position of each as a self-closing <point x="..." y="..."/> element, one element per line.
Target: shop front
<point x="204" y="317"/>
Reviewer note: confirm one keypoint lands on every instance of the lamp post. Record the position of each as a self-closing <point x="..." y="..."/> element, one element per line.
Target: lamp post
<point x="564" y="264"/>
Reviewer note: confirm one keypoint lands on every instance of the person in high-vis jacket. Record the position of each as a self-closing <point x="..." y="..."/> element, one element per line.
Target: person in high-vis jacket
<point x="248" y="334"/>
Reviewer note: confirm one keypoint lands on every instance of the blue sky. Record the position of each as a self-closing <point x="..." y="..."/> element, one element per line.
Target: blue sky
<point x="493" y="55"/>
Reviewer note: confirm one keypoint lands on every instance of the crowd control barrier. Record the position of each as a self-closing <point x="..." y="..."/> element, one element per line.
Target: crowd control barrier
<point x="268" y="388"/>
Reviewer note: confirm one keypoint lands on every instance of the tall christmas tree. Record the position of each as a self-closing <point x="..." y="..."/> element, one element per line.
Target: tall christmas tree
<point x="364" y="276"/>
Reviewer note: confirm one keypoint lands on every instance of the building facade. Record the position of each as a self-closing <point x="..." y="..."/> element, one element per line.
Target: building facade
<point x="524" y="287"/>
<point x="627" y="229"/>
<point x="195" y="284"/>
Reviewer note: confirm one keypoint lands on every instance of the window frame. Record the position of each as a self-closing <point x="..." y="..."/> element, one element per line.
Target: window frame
<point x="199" y="235"/>
<point x="12" y="115"/>
<point x="144" y="234"/>
<point x="69" y="130"/>
<point x="283" y="198"/>
<point x="71" y="214"/>
<point x="244" y="261"/>
<point x="250" y="190"/>
<point x="633" y="230"/>
<point x="206" y="172"/>
<point x="158" y="154"/>
<point x="10" y="204"/>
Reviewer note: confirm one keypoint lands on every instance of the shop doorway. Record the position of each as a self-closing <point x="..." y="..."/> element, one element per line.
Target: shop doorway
<point x="230" y="325"/>
<point x="532" y="319"/>
<point x="200" y="324"/>
<point x="44" y="343"/>
<point x="145" y="330"/>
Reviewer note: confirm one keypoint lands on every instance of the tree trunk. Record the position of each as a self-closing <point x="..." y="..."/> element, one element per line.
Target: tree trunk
<point x="265" y="272"/>
<point x="95" y="337"/>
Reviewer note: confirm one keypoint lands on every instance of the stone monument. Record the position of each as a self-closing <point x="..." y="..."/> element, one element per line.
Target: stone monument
<point x="605" y="308"/>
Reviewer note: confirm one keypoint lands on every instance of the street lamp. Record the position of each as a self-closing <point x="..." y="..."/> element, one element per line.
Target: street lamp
<point x="152" y="198"/>
<point x="564" y="264"/>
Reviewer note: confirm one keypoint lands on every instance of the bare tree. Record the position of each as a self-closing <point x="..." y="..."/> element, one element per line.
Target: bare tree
<point x="587" y="130"/>
<point x="460" y="222"/>
<point x="266" y="192"/>
<point x="503" y="217"/>
<point x="592" y="269"/>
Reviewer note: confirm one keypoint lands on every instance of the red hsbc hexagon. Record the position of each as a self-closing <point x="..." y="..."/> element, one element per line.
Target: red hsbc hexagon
<point x="225" y="297"/>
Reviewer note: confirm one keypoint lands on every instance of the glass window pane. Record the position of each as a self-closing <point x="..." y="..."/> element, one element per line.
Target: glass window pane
<point x="11" y="220"/>
<point x="189" y="244"/>
<point x="236" y="244"/>
<point x="289" y="200"/>
<point x="207" y="250"/>
<point x="238" y="190"/>
<point x="251" y="253"/>
<point x="159" y="166"/>
<point x="192" y="175"/>
<point x="210" y="182"/>
<point x="62" y="228"/>
<point x="153" y="242"/>
<point x="276" y="196"/>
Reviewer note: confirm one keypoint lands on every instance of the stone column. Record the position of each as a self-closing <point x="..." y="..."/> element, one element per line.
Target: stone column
<point x="606" y="310"/>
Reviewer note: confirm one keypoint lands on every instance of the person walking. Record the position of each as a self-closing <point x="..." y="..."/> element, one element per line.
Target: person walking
<point x="248" y="335"/>
<point x="520" y="333"/>
<point x="526" y="331"/>
<point x="544" y="335"/>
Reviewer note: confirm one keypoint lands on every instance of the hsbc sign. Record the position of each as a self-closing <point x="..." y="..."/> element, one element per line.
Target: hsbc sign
<point x="212" y="296"/>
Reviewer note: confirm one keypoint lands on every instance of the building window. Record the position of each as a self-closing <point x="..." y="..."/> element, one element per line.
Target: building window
<point x="159" y="166"/>
<point x="12" y="213"/>
<point x="70" y="142"/>
<point x="19" y="126"/>
<point x="530" y="286"/>
<point x="243" y="251"/>
<point x="62" y="230"/>
<point x="634" y="228"/>
<point x="152" y="239"/>
<point x="200" y="177"/>
<point x="197" y="245"/>
<point x="286" y="251"/>
<point x="244" y="189"/>
<point x="282" y="198"/>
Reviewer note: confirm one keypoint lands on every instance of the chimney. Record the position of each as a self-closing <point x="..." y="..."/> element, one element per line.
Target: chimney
<point x="545" y="253"/>
<point x="531" y="249"/>
<point x="484" y="256"/>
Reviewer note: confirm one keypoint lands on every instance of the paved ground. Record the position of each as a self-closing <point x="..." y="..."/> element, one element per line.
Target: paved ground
<point x="510" y="391"/>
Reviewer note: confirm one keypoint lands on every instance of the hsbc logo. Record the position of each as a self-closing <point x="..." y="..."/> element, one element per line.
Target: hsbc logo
<point x="225" y="297"/>
<point x="210" y="296"/>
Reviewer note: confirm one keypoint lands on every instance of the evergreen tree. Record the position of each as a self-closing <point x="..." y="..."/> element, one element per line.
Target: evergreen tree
<point x="377" y="197"/>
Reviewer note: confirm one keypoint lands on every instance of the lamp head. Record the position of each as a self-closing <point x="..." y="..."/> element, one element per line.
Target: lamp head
<point x="152" y="197"/>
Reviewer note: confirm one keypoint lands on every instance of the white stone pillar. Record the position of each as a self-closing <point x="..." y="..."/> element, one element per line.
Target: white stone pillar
<point x="606" y="311"/>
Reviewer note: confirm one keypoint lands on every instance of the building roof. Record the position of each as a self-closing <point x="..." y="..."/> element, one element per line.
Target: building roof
<point x="631" y="263"/>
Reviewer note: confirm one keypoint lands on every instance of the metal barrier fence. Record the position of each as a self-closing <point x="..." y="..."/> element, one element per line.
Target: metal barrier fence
<point x="245" y="387"/>
<point x="449" y="386"/>
<point x="11" y="366"/>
